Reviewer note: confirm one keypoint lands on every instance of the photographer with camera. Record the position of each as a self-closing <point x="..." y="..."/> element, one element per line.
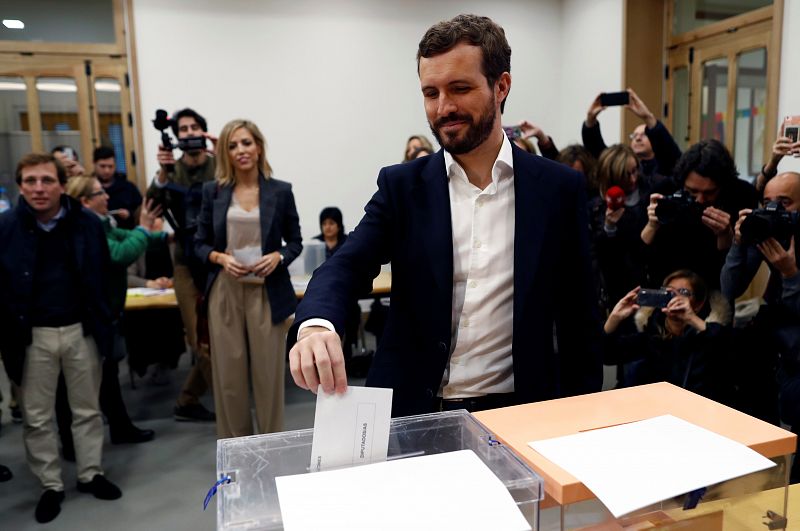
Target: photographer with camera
<point x="652" y="143"/>
<point x="769" y="234"/>
<point x="178" y="188"/>
<point x="678" y="334"/>
<point x="690" y="223"/>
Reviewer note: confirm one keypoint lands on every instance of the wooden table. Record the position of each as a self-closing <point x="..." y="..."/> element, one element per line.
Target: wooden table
<point x="517" y="425"/>
<point x="382" y="285"/>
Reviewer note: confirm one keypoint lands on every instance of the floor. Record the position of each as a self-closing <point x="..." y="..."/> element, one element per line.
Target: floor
<point x="164" y="482"/>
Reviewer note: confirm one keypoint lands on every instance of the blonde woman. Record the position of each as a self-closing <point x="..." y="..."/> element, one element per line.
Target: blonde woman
<point x="245" y="216"/>
<point x="415" y="142"/>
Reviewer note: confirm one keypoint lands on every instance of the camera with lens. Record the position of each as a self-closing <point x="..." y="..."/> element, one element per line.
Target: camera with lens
<point x="162" y="122"/>
<point x="679" y="206"/>
<point x="771" y="221"/>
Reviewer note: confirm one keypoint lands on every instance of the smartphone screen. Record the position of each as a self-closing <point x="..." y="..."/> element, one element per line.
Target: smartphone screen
<point x="512" y="131"/>
<point x="791" y="132"/>
<point x="611" y="99"/>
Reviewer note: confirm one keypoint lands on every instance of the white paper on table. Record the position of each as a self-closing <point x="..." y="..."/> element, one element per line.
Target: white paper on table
<point x="351" y="428"/>
<point x="149" y="292"/>
<point x="634" y="465"/>
<point x="448" y="491"/>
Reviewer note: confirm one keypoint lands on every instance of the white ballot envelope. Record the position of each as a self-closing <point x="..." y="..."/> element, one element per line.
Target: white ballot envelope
<point x="351" y="428"/>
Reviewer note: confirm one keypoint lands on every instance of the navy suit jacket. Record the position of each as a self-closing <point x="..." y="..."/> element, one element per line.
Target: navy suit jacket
<point x="279" y="222"/>
<point x="407" y="222"/>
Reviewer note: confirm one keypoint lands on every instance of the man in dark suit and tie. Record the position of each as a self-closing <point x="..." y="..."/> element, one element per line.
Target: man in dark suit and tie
<point x="489" y="253"/>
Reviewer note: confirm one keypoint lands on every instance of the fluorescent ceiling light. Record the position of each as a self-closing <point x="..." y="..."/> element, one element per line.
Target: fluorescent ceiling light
<point x="106" y="86"/>
<point x="45" y="86"/>
<point x="11" y="85"/>
<point x="12" y="23"/>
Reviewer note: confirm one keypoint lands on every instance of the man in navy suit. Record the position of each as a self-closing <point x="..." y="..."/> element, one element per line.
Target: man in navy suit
<point x="489" y="253"/>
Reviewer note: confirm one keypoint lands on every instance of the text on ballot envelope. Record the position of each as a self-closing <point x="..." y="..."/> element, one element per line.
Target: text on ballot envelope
<point x="351" y="428"/>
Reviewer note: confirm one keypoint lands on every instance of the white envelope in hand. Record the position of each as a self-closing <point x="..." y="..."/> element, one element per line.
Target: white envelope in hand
<point x="351" y="428"/>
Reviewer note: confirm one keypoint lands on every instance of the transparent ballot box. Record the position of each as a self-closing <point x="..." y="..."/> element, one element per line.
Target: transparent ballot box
<point x="250" y="500"/>
<point x="757" y="501"/>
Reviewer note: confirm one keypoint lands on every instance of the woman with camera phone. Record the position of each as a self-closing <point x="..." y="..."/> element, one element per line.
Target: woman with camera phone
<point x="685" y="342"/>
<point x="245" y="215"/>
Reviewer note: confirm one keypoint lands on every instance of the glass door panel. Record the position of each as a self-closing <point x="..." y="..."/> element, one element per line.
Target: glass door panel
<point x="15" y="135"/>
<point x="751" y="102"/>
<point x="109" y="114"/>
<point x="58" y="105"/>
<point x="714" y="99"/>
<point x="680" y="106"/>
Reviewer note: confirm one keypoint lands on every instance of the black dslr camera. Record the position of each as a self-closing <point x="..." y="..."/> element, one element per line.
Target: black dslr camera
<point x="679" y="206"/>
<point x="771" y="221"/>
<point x="162" y="121"/>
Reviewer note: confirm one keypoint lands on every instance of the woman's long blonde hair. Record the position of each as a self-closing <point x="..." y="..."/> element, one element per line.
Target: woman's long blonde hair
<point x="225" y="173"/>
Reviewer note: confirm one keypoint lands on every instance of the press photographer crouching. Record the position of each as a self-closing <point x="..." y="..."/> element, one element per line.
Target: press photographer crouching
<point x="769" y="234"/>
<point x="678" y="333"/>
<point x="177" y="188"/>
<point x="690" y="223"/>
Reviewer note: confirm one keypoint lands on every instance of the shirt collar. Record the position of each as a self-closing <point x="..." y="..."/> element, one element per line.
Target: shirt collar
<point x="50" y="225"/>
<point x="503" y="166"/>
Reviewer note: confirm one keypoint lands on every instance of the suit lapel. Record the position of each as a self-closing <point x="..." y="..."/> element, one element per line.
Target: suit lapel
<point x="530" y="213"/>
<point x="267" y="199"/>
<point x="222" y="202"/>
<point x="433" y="195"/>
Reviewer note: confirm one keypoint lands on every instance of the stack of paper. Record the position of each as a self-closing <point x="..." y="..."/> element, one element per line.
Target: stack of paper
<point x="635" y="465"/>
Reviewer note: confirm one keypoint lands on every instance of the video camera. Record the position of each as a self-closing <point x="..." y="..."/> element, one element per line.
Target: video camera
<point x="162" y="121"/>
<point x="771" y="221"/>
<point x="679" y="206"/>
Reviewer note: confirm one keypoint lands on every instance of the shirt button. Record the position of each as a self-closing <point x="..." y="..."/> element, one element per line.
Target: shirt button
<point x="442" y="347"/>
<point x="465" y="323"/>
<point x="477" y="244"/>
<point x="473" y="284"/>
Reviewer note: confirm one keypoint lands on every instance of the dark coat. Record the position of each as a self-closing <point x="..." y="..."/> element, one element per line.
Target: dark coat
<point x="279" y="221"/>
<point x="408" y="223"/>
<point x="18" y="244"/>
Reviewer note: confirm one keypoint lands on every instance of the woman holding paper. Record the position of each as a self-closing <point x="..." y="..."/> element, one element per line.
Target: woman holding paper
<point x="245" y="216"/>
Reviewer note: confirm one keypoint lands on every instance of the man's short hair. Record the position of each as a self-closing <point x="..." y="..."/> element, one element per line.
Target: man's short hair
<point x="191" y="113"/>
<point x="710" y="159"/>
<point x="477" y="31"/>
<point x="103" y="152"/>
<point x="34" y="159"/>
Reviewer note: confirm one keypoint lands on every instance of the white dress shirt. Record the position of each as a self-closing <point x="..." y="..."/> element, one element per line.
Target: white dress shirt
<point x="483" y="280"/>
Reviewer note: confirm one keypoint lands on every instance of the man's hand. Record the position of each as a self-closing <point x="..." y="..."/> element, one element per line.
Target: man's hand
<point x="122" y="213"/>
<point x="267" y="264"/>
<point x="211" y="138"/>
<point x="637" y="107"/>
<point x="737" y="232"/>
<point x="159" y="283"/>
<point x="680" y="308"/>
<point x="594" y="109"/>
<point x="73" y="168"/>
<point x="622" y="310"/>
<point x="784" y="260"/>
<point x="649" y="230"/>
<point x="148" y="215"/>
<point x="529" y="129"/>
<point x="719" y="222"/>
<point x="316" y="359"/>
<point x="165" y="158"/>
<point x="613" y="216"/>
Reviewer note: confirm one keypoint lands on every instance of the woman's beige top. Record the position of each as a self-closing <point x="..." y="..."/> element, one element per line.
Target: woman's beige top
<point x="244" y="235"/>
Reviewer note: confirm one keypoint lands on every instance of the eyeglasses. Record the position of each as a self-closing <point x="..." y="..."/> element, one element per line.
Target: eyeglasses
<point x="680" y="291"/>
<point x="634" y="136"/>
<point x="96" y="194"/>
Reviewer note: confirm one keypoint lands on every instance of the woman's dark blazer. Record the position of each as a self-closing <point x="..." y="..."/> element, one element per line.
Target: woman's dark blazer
<point x="279" y="223"/>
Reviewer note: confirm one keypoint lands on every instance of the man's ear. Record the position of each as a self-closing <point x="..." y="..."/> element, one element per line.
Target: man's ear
<point x="502" y="86"/>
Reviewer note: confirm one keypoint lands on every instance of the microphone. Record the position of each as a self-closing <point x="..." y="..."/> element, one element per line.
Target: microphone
<point x="615" y="198"/>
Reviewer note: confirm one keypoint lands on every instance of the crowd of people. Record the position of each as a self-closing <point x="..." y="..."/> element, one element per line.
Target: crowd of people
<point x="671" y="239"/>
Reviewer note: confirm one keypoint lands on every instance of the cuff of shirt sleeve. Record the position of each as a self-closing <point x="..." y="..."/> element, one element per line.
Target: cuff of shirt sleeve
<point x="315" y="322"/>
<point x="158" y="183"/>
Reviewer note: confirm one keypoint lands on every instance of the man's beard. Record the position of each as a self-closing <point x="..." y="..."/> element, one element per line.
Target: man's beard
<point x="476" y="134"/>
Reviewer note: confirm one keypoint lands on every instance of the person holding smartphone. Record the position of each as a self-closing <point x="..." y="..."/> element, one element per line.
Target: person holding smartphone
<point x="652" y="143"/>
<point x="787" y="144"/>
<point x="244" y="218"/>
<point x="685" y="343"/>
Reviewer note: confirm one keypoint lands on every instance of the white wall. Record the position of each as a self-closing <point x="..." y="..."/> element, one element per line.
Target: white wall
<point x="334" y="88"/>
<point x="789" y="98"/>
